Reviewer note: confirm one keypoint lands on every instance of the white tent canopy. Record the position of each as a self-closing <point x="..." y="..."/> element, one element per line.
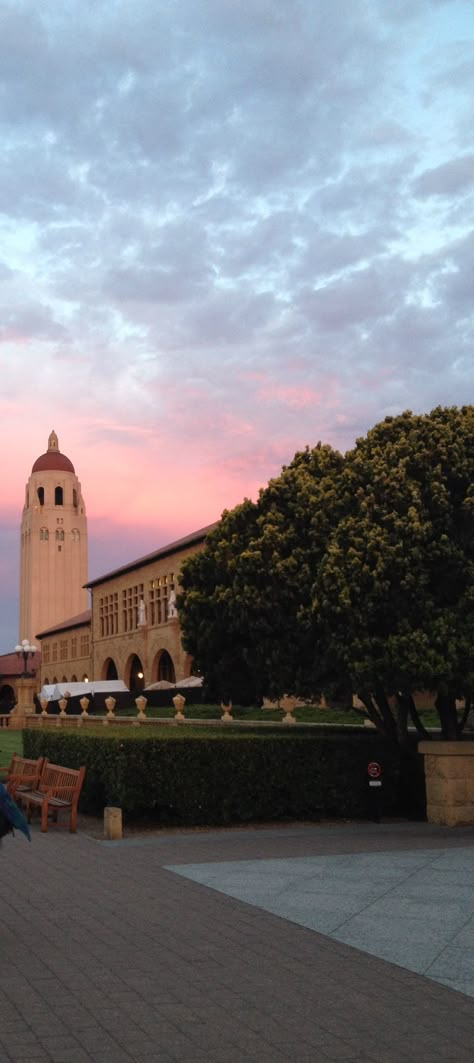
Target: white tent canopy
<point x="163" y="684"/>
<point x="55" y="691"/>
<point x="191" y="681"/>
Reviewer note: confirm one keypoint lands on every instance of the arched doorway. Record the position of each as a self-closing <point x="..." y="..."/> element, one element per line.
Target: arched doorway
<point x="7" y="699"/>
<point x="109" y="669"/>
<point x="166" y="668"/>
<point x="136" y="680"/>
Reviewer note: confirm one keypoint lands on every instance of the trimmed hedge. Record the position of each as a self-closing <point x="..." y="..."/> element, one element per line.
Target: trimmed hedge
<point x="220" y="778"/>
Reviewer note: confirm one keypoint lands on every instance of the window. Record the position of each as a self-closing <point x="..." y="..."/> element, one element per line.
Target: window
<point x="60" y="535"/>
<point x="44" y="534"/>
<point x="40" y="493"/>
<point x="158" y="599"/>
<point x="75" y="535"/>
<point x="58" y="496"/>
<point x="74" y="646"/>
<point x="130" y="599"/>
<point x="84" y="650"/>
<point x="55" y="652"/>
<point x="45" y="650"/>
<point x="108" y="615"/>
<point x="74" y="497"/>
<point x="63" y="650"/>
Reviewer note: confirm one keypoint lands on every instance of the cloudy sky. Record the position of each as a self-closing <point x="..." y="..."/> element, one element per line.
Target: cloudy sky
<point x="228" y="228"/>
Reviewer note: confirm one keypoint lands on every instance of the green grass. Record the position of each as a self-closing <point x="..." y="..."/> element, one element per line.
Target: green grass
<point x="306" y="714"/>
<point x="10" y="742"/>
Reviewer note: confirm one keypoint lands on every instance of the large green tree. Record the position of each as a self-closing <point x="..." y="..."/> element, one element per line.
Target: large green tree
<point x="355" y="572"/>
<point x="394" y="593"/>
<point x="246" y="602"/>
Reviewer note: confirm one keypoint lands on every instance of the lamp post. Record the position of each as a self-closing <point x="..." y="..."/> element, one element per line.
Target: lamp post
<point x="25" y="650"/>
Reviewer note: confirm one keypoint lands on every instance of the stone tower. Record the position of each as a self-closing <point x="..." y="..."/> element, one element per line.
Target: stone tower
<point x="53" y="568"/>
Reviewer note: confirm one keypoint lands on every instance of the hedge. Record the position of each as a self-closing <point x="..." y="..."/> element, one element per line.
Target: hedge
<point x="227" y="777"/>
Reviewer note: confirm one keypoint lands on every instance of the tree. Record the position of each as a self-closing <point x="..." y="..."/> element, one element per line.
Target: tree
<point x="246" y="602"/>
<point x="394" y="593"/>
<point x="355" y="572"/>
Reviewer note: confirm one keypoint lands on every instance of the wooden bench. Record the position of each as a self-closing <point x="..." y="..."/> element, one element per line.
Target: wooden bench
<point x="58" y="790"/>
<point x="22" y="774"/>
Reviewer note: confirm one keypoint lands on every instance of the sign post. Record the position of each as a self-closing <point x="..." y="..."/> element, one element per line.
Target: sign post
<point x="374" y="772"/>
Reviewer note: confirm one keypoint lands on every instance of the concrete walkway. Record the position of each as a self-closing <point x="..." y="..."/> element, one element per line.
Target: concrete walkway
<point x="230" y="946"/>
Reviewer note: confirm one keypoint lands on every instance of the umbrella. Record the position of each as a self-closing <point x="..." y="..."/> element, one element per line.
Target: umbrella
<point x="10" y="815"/>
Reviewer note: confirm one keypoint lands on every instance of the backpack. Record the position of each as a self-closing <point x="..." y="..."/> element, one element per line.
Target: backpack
<point x="5" y="826"/>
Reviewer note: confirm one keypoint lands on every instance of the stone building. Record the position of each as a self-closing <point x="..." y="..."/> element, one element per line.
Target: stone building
<point x="132" y="630"/>
<point x="135" y="632"/>
<point x="53" y="565"/>
<point x="66" y="651"/>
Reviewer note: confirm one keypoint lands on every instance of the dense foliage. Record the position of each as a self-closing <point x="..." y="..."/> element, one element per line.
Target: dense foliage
<point x="246" y="604"/>
<point x="182" y="778"/>
<point x="354" y="572"/>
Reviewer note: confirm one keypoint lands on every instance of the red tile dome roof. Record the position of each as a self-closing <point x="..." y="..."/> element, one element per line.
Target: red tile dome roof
<point x="52" y="458"/>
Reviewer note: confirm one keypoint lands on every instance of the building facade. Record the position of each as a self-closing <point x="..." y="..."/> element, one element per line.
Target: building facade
<point x="132" y="630"/>
<point x="66" y="651"/>
<point x="135" y="632"/>
<point x="54" y="551"/>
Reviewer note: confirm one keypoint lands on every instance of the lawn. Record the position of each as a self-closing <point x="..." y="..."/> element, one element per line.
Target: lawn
<point x="10" y="742"/>
<point x="304" y="714"/>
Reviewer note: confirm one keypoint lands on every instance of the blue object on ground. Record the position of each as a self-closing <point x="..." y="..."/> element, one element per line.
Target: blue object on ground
<point x="14" y="816"/>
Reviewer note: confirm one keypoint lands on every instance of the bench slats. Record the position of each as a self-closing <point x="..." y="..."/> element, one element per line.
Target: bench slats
<point x="23" y="773"/>
<point x="57" y="788"/>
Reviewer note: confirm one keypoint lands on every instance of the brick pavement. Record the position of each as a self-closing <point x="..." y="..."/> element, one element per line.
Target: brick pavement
<point x="107" y="957"/>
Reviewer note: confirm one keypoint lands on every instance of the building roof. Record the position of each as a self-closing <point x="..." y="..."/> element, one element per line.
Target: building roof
<point x="80" y="620"/>
<point x="48" y="461"/>
<point x="52" y="458"/>
<point x="11" y="664"/>
<point x="163" y="551"/>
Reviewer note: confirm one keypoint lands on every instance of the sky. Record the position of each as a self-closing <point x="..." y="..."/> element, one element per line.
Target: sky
<point x="228" y="229"/>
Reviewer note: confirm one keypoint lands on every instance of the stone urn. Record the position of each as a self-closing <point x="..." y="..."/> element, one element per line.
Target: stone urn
<point x="110" y="704"/>
<point x="141" y="704"/>
<point x="179" y="702"/>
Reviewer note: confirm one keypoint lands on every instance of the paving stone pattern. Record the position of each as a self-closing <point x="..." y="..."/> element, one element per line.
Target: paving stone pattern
<point x="108" y="957"/>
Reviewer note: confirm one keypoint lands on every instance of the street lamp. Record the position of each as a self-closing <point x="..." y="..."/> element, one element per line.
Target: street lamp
<point x="25" y="651"/>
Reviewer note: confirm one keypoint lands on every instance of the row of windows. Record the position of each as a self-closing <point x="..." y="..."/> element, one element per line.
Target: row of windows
<point x="58" y="496"/>
<point x="59" y="535"/>
<point x="65" y="649"/>
<point x="64" y="679"/>
<point x="138" y="607"/>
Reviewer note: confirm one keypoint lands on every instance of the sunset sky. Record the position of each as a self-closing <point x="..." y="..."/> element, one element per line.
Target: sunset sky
<point x="228" y="229"/>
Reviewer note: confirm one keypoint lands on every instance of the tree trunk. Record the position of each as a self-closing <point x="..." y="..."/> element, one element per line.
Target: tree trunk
<point x="420" y="727"/>
<point x="378" y="710"/>
<point x="387" y="715"/>
<point x="446" y="706"/>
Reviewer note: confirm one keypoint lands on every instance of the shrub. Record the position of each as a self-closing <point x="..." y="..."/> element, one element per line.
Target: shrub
<point x="220" y="778"/>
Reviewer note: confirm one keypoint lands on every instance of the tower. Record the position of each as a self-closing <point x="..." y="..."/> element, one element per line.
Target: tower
<point x="53" y="567"/>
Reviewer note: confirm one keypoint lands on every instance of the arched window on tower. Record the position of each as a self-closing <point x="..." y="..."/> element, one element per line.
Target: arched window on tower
<point x="74" y="497"/>
<point x="58" y="496"/>
<point x="44" y="534"/>
<point x="60" y="535"/>
<point x="75" y="535"/>
<point x="40" y="493"/>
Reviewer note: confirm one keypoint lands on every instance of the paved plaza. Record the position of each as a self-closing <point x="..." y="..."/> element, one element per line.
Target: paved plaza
<point x="302" y="943"/>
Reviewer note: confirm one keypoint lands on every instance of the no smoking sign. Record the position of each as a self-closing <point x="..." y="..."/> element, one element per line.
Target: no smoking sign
<point x="374" y="771"/>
